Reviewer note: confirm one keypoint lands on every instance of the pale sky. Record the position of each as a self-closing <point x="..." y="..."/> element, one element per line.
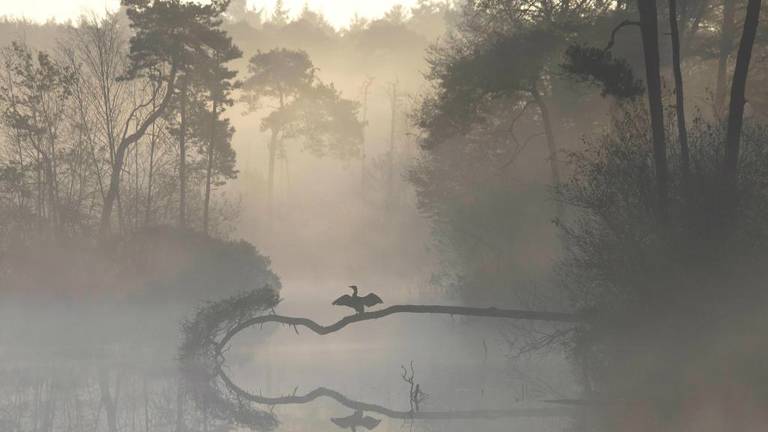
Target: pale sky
<point x="338" y="12"/>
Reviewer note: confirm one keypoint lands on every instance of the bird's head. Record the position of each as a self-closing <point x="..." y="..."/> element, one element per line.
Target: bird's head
<point x="354" y="289"/>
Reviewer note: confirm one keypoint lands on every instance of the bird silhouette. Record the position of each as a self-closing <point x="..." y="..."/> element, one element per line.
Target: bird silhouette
<point x="356" y="302"/>
<point x="355" y="421"/>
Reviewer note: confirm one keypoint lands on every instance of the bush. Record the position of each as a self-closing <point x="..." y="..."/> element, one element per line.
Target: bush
<point x="183" y="266"/>
<point x="71" y="295"/>
<point x="678" y="304"/>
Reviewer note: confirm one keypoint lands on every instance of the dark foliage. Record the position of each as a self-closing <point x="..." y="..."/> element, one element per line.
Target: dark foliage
<point x="171" y="32"/>
<point x="673" y="301"/>
<point x="503" y="67"/>
<point x="614" y="76"/>
<point x="307" y="108"/>
<point x="200" y="360"/>
<point x="278" y="73"/>
<point x="192" y="266"/>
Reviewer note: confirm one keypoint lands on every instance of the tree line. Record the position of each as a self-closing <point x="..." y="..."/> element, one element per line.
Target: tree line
<point x="649" y="117"/>
<point x="122" y="124"/>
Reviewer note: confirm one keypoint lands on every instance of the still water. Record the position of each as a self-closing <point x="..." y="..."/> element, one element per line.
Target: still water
<point x="67" y="371"/>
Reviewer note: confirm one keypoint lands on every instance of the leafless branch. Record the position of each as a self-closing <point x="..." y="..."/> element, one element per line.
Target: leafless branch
<point x="616" y="29"/>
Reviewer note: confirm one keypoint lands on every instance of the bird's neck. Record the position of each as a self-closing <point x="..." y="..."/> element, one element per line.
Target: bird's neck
<point x="354" y="292"/>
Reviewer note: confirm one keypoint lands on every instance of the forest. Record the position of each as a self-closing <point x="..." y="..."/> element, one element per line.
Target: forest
<point x="543" y="215"/>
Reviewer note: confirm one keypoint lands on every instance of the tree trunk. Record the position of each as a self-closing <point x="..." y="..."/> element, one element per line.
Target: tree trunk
<point x="738" y="88"/>
<point x="120" y="219"/>
<point x="366" y="86"/>
<point x="112" y="191"/>
<point x="679" y="99"/>
<point x="136" y="187"/>
<point x="209" y="168"/>
<point x="727" y="35"/>
<point x="150" y="178"/>
<point x="183" y="156"/>
<point x="54" y="187"/>
<point x="391" y="153"/>
<point x="49" y="188"/>
<point x="650" y="37"/>
<point x="125" y="143"/>
<point x="551" y="144"/>
<point x="272" y="147"/>
<point x="21" y="169"/>
<point x="40" y="201"/>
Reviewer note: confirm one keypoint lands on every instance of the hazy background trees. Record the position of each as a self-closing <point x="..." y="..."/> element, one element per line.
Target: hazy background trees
<point x="529" y="154"/>
<point x="127" y="164"/>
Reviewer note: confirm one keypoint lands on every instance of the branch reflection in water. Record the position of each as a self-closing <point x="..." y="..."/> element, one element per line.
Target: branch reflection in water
<point x="202" y="366"/>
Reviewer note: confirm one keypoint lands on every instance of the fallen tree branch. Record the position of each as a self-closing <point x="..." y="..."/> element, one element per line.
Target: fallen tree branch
<point x="207" y="335"/>
<point x="410" y="309"/>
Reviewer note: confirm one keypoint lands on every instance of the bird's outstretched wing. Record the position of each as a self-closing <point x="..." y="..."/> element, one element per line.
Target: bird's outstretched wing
<point x="371" y="300"/>
<point x="343" y="422"/>
<point x="345" y="300"/>
<point x="369" y="422"/>
<point x="356" y="420"/>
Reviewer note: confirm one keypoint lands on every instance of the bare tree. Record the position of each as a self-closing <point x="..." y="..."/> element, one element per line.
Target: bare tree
<point x="416" y="396"/>
<point x="35" y="91"/>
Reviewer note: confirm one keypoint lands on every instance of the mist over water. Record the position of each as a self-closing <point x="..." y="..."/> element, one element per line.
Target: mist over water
<point x="489" y="216"/>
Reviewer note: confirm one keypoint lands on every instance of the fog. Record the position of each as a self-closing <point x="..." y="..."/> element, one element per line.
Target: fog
<point x="506" y="215"/>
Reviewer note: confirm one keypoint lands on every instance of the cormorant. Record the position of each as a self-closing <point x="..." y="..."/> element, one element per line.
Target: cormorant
<point x="356" y="302"/>
<point x="355" y="421"/>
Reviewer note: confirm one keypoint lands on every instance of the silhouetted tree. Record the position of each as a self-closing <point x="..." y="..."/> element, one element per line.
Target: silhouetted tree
<point x="168" y="34"/>
<point x="281" y="76"/>
<point x="217" y="78"/>
<point x="305" y="108"/>
<point x="279" y="14"/>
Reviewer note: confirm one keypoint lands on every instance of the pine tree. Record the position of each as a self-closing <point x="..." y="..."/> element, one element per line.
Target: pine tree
<point x="280" y="14"/>
<point x="169" y="38"/>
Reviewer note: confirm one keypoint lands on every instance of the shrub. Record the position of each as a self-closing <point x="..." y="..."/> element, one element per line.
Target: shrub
<point x="672" y="300"/>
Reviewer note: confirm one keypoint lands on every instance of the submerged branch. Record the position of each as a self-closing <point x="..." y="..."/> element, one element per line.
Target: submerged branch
<point x="410" y="309"/>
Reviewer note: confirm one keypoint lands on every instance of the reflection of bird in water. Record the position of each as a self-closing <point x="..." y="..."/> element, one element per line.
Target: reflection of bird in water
<point x="355" y="421"/>
<point x="356" y="302"/>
